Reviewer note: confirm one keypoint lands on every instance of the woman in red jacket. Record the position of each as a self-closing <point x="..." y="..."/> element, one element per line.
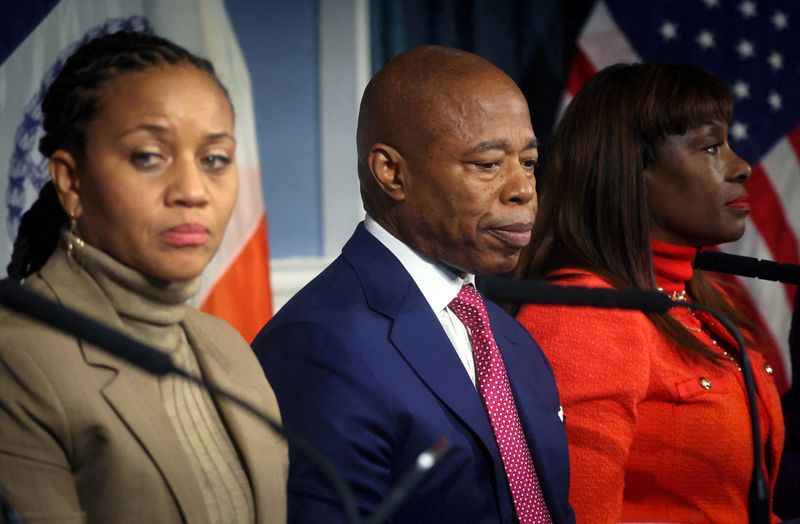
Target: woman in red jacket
<point x="640" y="175"/>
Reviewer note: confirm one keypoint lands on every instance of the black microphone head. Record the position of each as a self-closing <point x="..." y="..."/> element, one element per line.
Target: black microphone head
<point x="747" y="267"/>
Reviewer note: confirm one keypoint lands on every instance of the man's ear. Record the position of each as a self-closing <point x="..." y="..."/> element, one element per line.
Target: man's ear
<point x="64" y="174"/>
<point x="388" y="169"/>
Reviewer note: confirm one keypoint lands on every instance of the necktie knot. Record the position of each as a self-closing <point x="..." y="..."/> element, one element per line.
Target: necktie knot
<point x="470" y="309"/>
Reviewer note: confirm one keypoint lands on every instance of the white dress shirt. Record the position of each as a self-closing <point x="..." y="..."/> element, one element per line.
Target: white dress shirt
<point x="438" y="285"/>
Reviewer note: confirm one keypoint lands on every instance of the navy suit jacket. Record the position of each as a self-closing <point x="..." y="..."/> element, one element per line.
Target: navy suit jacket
<point x="362" y="367"/>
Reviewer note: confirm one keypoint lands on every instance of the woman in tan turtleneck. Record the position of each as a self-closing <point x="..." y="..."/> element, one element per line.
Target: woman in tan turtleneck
<point x="639" y="175"/>
<point x="140" y="140"/>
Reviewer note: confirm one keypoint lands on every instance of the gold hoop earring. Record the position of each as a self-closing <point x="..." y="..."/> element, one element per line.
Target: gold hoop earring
<point x="74" y="241"/>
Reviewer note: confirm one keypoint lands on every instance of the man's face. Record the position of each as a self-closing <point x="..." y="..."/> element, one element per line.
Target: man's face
<point x="470" y="195"/>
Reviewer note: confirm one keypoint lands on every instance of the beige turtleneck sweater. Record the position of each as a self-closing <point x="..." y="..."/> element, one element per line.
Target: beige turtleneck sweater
<point x="152" y="311"/>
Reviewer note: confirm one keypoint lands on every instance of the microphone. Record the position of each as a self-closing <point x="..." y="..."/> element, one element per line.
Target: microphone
<point x="159" y="363"/>
<point x="409" y="481"/>
<point x="502" y="289"/>
<point x="540" y="292"/>
<point x="747" y="267"/>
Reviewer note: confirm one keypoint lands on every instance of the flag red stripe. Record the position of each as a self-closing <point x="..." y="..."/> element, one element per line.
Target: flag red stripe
<point x="582" y="70"/>
<point x="249" y="310"/>
<point x="794" y="140"/>
<point x="766" y="212"/>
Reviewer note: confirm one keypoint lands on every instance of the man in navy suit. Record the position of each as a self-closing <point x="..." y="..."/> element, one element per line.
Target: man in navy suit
<point x="370" y="361"/>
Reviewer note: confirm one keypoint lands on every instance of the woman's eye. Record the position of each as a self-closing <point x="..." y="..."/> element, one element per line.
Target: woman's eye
<point x="216" y="162"/>
<point x="145" y="159"/>
<point x="712" y="149"/>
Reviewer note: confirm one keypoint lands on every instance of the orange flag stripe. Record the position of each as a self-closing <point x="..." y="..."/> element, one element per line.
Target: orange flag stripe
<point x="242" y="295"/>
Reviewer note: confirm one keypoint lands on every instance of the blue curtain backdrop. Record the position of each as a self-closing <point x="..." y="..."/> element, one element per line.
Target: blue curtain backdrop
<point x="531" y="40"/>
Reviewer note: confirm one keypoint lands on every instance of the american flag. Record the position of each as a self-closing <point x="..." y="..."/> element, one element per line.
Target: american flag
<point x="753" y="46"/>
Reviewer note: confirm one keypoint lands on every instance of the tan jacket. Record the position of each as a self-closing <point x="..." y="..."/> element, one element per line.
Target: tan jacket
<point x="84" y="436"/>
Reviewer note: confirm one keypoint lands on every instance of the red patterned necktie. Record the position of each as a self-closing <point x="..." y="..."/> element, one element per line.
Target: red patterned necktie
<point x="495" y="390"/>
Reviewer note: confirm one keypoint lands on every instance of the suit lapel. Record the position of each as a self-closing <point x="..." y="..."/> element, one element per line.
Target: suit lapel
<point x="523" y="379"/>
<point x="417" y="333"/>
<point x="419" y="337"/>
<point x="131" y="393"/>
<point x="536" y="414"/>
<point x="253" y="440"/>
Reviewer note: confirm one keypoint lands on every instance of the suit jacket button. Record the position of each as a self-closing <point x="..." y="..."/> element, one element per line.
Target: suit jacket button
<point x="705" y="383"/>
<point x="768" y="369"/>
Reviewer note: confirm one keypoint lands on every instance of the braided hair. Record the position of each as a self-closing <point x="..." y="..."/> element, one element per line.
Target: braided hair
<point x="70" y="104"/>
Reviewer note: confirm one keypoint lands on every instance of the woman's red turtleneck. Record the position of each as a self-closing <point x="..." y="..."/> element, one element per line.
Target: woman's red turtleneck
<point x="672" y="265"/>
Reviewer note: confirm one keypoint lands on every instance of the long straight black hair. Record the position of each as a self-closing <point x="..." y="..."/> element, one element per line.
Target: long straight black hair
<point x="593" y="213"/>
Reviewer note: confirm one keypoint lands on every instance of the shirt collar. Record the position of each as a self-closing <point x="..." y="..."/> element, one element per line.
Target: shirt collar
<point x="438" y="284"/>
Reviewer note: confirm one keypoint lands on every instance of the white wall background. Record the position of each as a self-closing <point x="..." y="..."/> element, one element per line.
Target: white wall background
<point x="309" y="63"/>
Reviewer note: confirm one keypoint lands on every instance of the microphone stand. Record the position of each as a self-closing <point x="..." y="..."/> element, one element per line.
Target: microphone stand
<point x="8" y="514"/>
<point x="16" y="297"/>
<point x="540" y="292"/>
<point x="759" y="498"/>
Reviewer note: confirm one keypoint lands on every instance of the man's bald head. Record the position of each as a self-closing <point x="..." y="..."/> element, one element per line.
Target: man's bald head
<point x="446" y="154"/>
<point x="414" y="98"/>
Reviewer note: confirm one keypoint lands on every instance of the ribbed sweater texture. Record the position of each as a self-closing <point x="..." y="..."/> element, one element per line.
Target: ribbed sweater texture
<point x="152" y="311"/>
